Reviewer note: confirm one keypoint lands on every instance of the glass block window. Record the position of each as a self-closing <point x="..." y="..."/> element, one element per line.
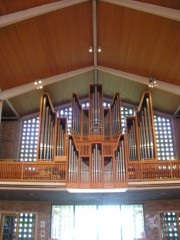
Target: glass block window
<point x="26" y="226"/>
<point x="125" y="111"/>
<point x="164" y="137"/>
<point x="29" y="139"/>
<point x="66" y="112"/>
<point x="169" y="225"/>
<point x="97" y="222"/>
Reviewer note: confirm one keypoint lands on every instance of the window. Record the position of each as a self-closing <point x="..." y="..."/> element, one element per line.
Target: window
<point x="169" y="225"/>
<point x="29" y="139"/>
<point x="97" y="222"/>
<point x="126" y="111"/>
<point x="18" y="226"/>
<point x="164" y="140"/>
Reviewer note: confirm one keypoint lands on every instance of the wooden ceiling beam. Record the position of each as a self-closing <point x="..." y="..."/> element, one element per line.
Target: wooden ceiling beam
<point x="94" y="9"/>
<point x="15" y="17"/>
<point x="16" y="91"/>
<point x="1" y="105"/>
<point x="170" y="13"/>
<point x="175" y="89"/>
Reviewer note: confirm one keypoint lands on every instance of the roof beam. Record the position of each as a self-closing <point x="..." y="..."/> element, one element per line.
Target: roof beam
<point x="36" y="11"/>
<point x="1" y="105"/>
<point x="170" y="13"/>
<point x="16" y="91"/>
<point x="175" y="89"/>
<point x="94" y="9"/>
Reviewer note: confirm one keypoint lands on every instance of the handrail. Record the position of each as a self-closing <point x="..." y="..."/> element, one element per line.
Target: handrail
<point x="33" y="171"/>
<point x="157" y="170"/>
<point x="57" y="172"/>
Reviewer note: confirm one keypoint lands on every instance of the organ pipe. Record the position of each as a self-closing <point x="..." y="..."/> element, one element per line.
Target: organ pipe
<point x="120" y="161"/>
<point x="61" y="136"/>
<point x="146" y="130"/>
<point x="96" y="122"/>
<point x="76" y="116"/>
<point x="132" y="141"/>
<point x="47" y="128"/>
<point x="116" y="114"/>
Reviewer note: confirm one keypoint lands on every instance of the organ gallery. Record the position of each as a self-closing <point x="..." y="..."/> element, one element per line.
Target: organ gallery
<point x="97" y="152"/>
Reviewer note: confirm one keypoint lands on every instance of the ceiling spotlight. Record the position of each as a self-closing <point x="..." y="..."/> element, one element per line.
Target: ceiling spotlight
<point x="91" y="49"/>
<point x="152" y="82"/>
<point x="99" y="49"/>
<point x="40" y="87"/>
<point x="38" y="84"/>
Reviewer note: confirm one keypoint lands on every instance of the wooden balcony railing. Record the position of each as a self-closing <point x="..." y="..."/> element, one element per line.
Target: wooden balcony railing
<point x="33" y="171"/>
<point x="161" y="170"/>
<point x="57" y="172"/>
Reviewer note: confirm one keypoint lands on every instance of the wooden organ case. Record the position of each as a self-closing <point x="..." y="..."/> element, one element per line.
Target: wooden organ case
<point x="96" y="152"/>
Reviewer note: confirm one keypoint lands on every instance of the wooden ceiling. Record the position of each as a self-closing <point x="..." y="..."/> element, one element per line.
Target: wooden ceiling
<point x="49" y="40"/>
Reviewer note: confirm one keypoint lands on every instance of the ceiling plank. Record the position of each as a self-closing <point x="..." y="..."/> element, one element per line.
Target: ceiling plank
<point x="36" y="11"/>
<point x="170" y="13"/>
<point x="16" y="91"/>
<point x="144" y="80"/>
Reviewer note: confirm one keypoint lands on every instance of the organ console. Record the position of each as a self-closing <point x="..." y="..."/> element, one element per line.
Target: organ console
<point x="96" y="152"/>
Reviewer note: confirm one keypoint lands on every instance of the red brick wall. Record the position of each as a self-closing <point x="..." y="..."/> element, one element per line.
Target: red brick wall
<point x="43" y="211"/>
<point x="152" y="210"/>
<point x="9" y="139"/>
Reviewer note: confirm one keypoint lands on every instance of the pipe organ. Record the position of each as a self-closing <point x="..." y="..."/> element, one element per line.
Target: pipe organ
<point x="96" y="152"/>
<point x="46" y="130"/>
<point x="141" y="133"/>
<point x="52" y="132"/>
<point x="96" y="118"/>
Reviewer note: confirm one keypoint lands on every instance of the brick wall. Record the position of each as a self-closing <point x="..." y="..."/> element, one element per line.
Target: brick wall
<point x="9" y="139"/>
<point x="41" y="209"/>
<point x="43" y="213"/>
<point x="152" y="210"/>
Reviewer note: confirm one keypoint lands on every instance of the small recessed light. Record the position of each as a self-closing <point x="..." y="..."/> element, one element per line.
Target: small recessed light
<point x="90" y="49"/>
<point x="152" y="82"/>
<point x="38" y="84"/>
<point x="99" y="49"/>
